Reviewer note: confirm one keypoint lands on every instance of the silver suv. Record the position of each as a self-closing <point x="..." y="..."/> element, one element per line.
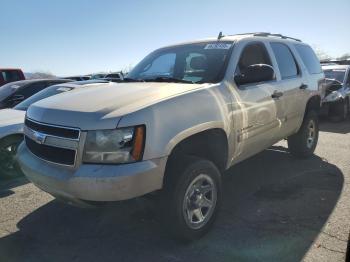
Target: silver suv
<point x="181" y="117"/>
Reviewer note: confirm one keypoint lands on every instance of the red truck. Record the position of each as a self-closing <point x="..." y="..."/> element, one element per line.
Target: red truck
<point x="10" y="75"/>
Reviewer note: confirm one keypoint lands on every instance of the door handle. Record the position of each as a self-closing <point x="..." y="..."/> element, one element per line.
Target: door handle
<point x="277" y="94"/>
<point x="303" y="86"/>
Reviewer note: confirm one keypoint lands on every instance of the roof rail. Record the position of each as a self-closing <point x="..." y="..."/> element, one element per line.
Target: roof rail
<point x="253" y="33"/>
<point x="276" y="35"/>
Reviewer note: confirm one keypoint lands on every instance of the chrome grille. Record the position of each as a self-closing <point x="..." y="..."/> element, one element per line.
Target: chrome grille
<point x="66" y="132"/>
<point x="52" y="143"/>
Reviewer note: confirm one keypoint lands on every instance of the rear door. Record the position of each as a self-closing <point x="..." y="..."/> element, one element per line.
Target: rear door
<point x="291" y="86"/>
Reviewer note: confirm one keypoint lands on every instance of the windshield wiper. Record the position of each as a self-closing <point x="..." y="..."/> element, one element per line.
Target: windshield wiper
<point x="168" y="79"/>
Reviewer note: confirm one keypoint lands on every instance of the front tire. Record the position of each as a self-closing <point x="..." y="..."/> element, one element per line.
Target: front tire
<point x="191" y="198"/>
<point x="8" y="149"/>
<point x="304" y="142"/>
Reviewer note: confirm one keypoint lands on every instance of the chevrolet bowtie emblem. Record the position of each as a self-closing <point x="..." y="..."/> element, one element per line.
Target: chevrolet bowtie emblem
<point x="39" y="137"/>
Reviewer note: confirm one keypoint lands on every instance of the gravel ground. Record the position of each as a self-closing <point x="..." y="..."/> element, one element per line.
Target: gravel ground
<point x="276" y="208"/>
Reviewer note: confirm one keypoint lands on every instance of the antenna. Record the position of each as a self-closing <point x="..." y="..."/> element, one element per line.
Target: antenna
<point x="220" y="36"/>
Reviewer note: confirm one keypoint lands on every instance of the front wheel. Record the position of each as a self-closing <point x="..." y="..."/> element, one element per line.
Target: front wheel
<point x="191" y="198"/>
<point x="304" y="142"/>
<point x="8" y="149"/>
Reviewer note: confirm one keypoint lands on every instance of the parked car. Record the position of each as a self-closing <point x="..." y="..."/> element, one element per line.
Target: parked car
<point x="113" y="77"/>
<point x="185" y="114"/>
<point x="98" y="76"/>
<point x="78" y="78"/>
<point x="336" y="102"/>
<point x="12" y="121"/>
<point x="13" y="93"/>
<point x="10" y="75"/>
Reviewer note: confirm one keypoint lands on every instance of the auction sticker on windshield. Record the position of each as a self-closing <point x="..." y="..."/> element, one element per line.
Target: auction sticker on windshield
<point x="218" y="46"/>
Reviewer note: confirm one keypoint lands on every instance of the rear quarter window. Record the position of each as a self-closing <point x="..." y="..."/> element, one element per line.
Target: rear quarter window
<point x="309" y="58"/>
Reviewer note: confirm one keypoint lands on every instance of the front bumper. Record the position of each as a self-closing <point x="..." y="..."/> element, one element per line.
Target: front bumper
<point x="92" y="182"/>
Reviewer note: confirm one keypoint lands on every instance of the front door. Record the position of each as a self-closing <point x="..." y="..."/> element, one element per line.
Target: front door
<point x="255" y="114"/>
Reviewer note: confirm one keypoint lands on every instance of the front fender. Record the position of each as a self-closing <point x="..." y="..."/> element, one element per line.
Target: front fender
<point x="9" y="130"/>
<point x="172" y="120"/>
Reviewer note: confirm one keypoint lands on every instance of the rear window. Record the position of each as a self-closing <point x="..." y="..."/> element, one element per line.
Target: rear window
<point x="309" y="58"/>
<point x="285" y="60"/>
<point x="337" y="74"/>
<point x="10" y="75"/>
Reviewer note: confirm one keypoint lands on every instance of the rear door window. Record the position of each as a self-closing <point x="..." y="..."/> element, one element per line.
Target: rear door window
<point x="309" y="58"/>
<point x="285" y="60"/>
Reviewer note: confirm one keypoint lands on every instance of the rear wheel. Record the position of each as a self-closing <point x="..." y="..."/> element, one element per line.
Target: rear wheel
<point x="304" y="142"/>
<point x="191" y="198"/>
<point x="339" y="110"/>
<point x="8" y="149"/>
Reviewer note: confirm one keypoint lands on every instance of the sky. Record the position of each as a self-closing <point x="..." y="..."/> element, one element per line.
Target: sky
<point x="70" y="37"/>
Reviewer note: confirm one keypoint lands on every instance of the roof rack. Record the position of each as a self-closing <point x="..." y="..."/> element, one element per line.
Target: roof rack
<point x="253" y="33"/>
<point x="276" y="35"/>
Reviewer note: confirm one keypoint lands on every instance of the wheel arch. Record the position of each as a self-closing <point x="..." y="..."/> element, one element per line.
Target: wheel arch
<point x="314" y="103"/>
<point x="211" y="144"/>
<point x="9" y="136"/>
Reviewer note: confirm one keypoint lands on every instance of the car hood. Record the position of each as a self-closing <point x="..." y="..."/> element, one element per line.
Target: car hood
<point x="102" y="107"/>
<point x="11" y="117"/>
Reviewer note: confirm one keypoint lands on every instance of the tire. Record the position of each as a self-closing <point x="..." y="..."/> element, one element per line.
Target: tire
<point x="339" y="110"/>
<point x="304" y="142"/>
<point x="185" y="200"/>
<point x="8" y="149"/>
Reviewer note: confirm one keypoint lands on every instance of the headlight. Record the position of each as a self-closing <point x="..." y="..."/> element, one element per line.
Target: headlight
<point x="116" y="146"/>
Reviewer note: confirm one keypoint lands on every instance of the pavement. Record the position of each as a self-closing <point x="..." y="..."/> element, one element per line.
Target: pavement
<point x="275" y="208"/>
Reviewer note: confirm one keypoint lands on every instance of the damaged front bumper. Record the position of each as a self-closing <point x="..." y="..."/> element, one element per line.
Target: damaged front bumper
<point x="93" y="182"/>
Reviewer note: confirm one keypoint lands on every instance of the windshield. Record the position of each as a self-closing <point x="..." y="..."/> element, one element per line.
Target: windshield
<point x="9" y="89"/>
<point x="51" y="91"/>
<point x="197" y="63"/>
<point x="336" y="74"/>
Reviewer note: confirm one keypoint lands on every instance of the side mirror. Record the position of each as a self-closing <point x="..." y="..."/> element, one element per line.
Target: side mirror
<point x="255" y="74"/>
